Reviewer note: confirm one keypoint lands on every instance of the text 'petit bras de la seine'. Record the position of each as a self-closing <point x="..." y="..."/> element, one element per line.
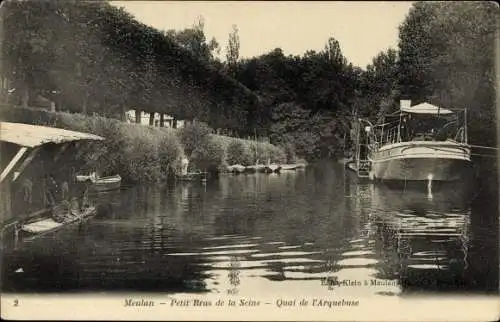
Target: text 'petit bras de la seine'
<point x="191" y="302"/>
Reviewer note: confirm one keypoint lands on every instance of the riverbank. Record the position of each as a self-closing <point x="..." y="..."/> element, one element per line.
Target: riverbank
<point x="149" y="154"/>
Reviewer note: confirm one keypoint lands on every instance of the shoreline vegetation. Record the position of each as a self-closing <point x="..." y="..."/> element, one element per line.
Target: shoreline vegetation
<point x="143" y="154"/>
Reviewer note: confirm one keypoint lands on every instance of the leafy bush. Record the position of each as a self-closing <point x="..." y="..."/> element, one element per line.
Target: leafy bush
<point x="256" y="152"/>
<point x="262" y="153"/>
<point x="141" y="154"/>
<point x="170" y="153"/>
<point x="210" y="156"/>
<point x="238" y="153"/>
<point x="253" y="151"/>
<point x="106" y="156"/>
<point x="194" y="135"/>
<point x="275" y="154"/>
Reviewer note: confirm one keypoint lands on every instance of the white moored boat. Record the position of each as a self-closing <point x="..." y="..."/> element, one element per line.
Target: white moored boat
<point x="421" y="142"/>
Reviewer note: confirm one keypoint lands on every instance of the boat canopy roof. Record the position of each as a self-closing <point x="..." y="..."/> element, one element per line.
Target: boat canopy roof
<point x="31" y="136"/>
<point x="426" y="108"/>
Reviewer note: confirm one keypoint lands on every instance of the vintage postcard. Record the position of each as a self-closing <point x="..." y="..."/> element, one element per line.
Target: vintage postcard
<point x="256" y="160"/>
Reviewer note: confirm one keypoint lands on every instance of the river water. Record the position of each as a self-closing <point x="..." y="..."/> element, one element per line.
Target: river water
<point x="314" y="231"/>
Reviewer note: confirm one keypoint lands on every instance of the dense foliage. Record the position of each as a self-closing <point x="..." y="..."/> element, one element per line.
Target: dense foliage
<point x="447" y="56"/>
<point x="237" y="153"/>
<point x="95" y="58"/>
<point x="194" y="135"/>
<point x="306" y="100"/>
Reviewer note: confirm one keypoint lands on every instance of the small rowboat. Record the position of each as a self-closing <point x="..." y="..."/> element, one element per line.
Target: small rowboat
<point x="255" y="168"/>
<point x="101" y="183"/>
<point x="286" y="167"/>
<point x="41" y="227"/>
<point x="107" y="183"/>
<point x="193" y="176"/>
<point x="237" y="168"/>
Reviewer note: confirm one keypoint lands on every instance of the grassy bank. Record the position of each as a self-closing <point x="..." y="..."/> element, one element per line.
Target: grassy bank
<point x="146" y="154"/>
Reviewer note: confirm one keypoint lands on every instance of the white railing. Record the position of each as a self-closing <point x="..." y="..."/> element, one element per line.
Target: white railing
<point x="389" y="136"/>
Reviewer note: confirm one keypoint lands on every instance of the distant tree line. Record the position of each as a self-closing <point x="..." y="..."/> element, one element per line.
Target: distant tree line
<point x="92" y="57"/>
<point x="446" y="56"/>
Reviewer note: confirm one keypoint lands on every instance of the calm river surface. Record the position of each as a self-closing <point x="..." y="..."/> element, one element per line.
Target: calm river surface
<point x="316" y="231"/>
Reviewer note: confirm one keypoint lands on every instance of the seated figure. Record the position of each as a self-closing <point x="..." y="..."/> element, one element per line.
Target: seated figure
<point x="446" y="132"/>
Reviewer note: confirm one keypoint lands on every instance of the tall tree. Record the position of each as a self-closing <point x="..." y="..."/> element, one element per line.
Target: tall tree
<point x="379" y="84"/>
<point x="334" y="54"/>
<point x="447" y="56"/>
<point x="194" y="40"/>
<point x="233" y="50"/>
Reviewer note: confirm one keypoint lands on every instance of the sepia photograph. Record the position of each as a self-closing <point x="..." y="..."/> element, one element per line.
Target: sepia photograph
<point x="249" y="160"/>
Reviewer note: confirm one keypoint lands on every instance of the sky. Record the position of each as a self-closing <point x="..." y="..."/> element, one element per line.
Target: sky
<point x="363" y="29"/>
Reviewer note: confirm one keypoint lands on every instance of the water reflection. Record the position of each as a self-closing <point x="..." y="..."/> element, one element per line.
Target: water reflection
<point x="422" y="241"/>
<point x="317" y="231"/>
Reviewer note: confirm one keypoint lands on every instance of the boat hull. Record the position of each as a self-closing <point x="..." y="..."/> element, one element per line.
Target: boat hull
<point x="107" y="183"/>
<point x="48" y="225"/>
<point x="422" y="169"/>
<point x="422" y="162"/>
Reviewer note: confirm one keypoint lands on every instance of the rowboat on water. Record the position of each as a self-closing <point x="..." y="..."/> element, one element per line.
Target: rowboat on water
<point x="45" y="226"/>
<point x="101" y="183"/>
<point x="107" y="183"/>
<point x="193" y="176"/>
<point x="255" y="168"/>
<point x="288" y="167"/>
<point x="236" y="168"/>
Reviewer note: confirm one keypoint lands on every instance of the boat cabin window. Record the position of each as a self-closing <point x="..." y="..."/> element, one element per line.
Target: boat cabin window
<point x="418" y="127"/>
<point x="428" y="128"/>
